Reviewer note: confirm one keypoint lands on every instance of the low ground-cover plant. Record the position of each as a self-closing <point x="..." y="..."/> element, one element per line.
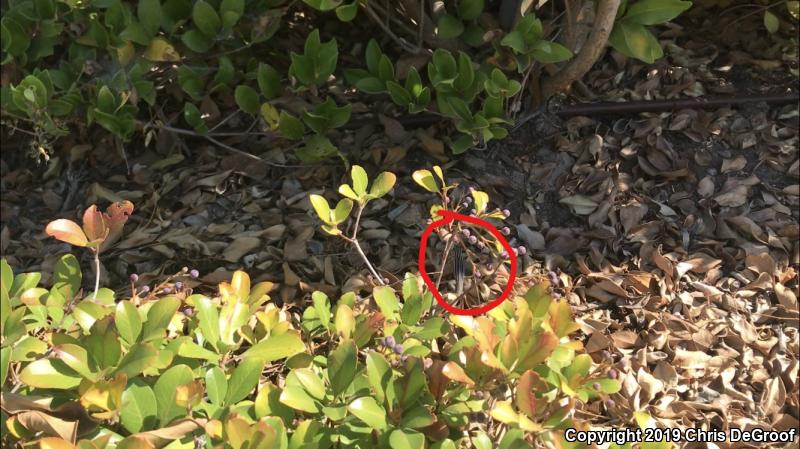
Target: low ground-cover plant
<point x="234" y="370"/>
<point x="170" y="367"/>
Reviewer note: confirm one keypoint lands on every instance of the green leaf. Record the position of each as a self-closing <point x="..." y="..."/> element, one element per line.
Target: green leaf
<point x="635" y="41"/>
<point x="5" y="362"/>
<point x="322" y="208"/>
<point x="165" y="389"/>
<point x="418" y="417"/>
<point x="76" y="358"/>
<point x="379" y="375"/>
<point x="140" y="357"/>
<point x="159" y="316"/>
<point x="231" y="11"/>
<point x="322" y="305"/>
<point x="276" y="347"/>
<point x="128" y="322"/>
<point x="298" y="399"/>
<point x="347" y="13"/>
<point x="244" y="379"/>
<point x="405" y="439"/>
<point x="49" y="373"/>
<point x="654" y="12"/>
<point x="269" y="81"/>
<point x="197" y="41"/>
<point x="67" y="272"/>
<point x="290" y="126"/>
<point x="208" y="318"/>
<point x="149" y="13"/>
<point x="771" y="22"/>
<point x="317" y="148"/>
<point x="371" y="85"/>
<point x="470" y="9"/>
<point x="449" y="27"/>
<point x="360" y="180"/>
<point x="205" y="18"/>
<point x="342" y="366"/>
<point x="400" y="96"/>
<point x="268" y="403"/>
<point x="382" y="184"/>
<point x="323" y="5"/>
<point x="139" y="410"/>
<point x="368" y="411"/>
<point x="247" y="99"/>
<point x="27" y="349"/>
<point x="425" y="179"/>
<point x="387" y="302"/>
<point x="311" y="381"/>
<point x="342" y="211"/>
<point x="216" y="386"/>
<point x="550" y="52"/>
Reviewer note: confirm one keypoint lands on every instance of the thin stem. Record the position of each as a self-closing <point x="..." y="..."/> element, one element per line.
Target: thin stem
<point x="96" y="273"/>
<point x="354" y="241"/>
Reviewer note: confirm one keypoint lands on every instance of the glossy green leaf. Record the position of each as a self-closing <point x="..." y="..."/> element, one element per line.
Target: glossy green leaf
<point x="347" y="13"/>
<point x="276" y="347"/>
<point x="470" y="9"/>
<point x="76" y="358"/>
<point x="244" y="379"/>
<point x="323" y="5"/>
<point x="205" y="18"/>
<point x="771" y="22"/>
<point x="449" y="27"/>
<point x="268" y="403"/>
<point x="5" y="362"/>
<point x="654" y="12"/>
<point x="128" y="322"/>
<point x="216" y="385"/>
<point x="382" y="184"/>
<point x="49" y="373"/>
<point x="322" y="305"/>
<point x="269" y="81"/>
<point x="208" y="319"/>
<point x="159" y="317"/>
<point x="298" y="399"/>
<point x="247" y="99"/>
<point x="290" y="126"/>
<point x="230" y="12"/>
<point x="342" y="366"/>
<point x="139" y="409"/>
<point x="360" y="180"/>
<point x="635" y="41"/>
<point x="165" y="390"/>
<point x="424" y="178"/>
<point x="311" y="382"/>
<point x="368" y="411"/>
<point x="139" y="358"/>
<point x="406" y="439"/>
<point x="387" y="302"/>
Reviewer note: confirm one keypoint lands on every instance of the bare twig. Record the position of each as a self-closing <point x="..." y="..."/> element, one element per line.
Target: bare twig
<point x="399" y="40"/>
<point x="354" y="241"/>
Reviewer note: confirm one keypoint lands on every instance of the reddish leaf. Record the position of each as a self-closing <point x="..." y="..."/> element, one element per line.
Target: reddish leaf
<point x="67" y="231"/>
<point x="93" y="224"/>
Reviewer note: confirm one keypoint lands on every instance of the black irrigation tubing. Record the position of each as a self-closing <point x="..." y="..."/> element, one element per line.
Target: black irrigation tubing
<point x="616" y="108"/>
<point x="635" y="107"/>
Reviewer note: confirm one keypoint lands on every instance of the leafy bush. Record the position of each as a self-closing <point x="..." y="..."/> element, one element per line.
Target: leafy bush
<point x="171" y="367"/>
<point x="111" y="63"/>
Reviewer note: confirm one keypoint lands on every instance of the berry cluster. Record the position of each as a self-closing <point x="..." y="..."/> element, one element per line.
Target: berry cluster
<point x="164" y="287"/>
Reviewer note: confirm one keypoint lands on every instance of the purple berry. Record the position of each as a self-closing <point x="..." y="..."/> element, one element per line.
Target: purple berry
<point x="504" y="254"/>
<point x="506" y="212"/>
<point x="167" y="290"/>
<point x="507" y="230"/>
<point x="596" y="386"/>
<point x="398" y="349"/>
<point x="468" y="200"/>
<point x="478" y="274"/>
<point x="446" y="200"/>
<point x="613" y="374"/>
<point x="522" y="250"/>
<point x="473" y="240"/>
<point x="145" y="289"/>
<point x="609" y="403"/>
<point x="194" y="274"/>
<point x="185" y="270"/>
<point x="471" y="189"/>
<point x="179" y="286"/>
<point x="464" y="205"/>
<point x="556" y="295"/>
<point x="389" y="341"/>
<point x="465" y="232"/>
<point x="133" y="277"/>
